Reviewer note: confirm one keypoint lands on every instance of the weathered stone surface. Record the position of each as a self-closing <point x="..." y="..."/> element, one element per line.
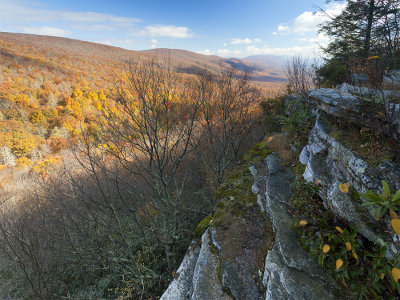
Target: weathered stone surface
<point x="333" y="101"/>
<point x="367" y="92"/>
<point x="392" y="78"/>
<point x="290" y="273"/>
<point x="359" y="78"/>
<point x="345" y="102"/>
<point x="230" y="260"/>
<point x="393" y="113"/>
<point x="206" y="282"/>
<point x="181" y="285"/>
<point x="331" y="163"/>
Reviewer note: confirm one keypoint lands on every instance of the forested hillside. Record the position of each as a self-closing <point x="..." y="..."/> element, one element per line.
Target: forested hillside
<point x="109" y="159"/>
<point x="52" y="87"/>
<point x="167" y="174"/>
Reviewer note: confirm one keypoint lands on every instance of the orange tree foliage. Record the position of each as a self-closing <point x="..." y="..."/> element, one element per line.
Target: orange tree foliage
<point x="19" y="140"/>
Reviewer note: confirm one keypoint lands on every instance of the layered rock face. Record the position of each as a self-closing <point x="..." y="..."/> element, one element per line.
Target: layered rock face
<point x="254" y="253"/>
<point x="290" y="273"/>
<point x="224" y="265"/>
<point x="331" y="163"/>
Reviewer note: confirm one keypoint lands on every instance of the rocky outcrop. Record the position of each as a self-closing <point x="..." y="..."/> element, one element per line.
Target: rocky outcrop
<point x="330" y="163"/>
<point x="182" y="285"/>
<point x="229" y="262"/>
<point x="367" y="92"/>
<point x="248" y="248"/>
<point x="392" y="78"/>
<point x="346" y="102"/>
<point x="290" y="273"/>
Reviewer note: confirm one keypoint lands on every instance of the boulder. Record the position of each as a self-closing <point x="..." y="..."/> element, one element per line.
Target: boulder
<point x="229" y="263"/>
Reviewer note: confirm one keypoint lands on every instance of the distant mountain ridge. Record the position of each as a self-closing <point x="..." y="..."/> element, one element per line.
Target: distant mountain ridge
<point x="183" y="60"/>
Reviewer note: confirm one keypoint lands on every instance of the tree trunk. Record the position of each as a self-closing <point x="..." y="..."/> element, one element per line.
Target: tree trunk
<point x="367" y="44"/>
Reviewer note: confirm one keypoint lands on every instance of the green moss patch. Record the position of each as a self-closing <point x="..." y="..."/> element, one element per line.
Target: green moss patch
<point x="258" y="152"/>
<point x="242" y="231"/>
<point x="201" y="228"/>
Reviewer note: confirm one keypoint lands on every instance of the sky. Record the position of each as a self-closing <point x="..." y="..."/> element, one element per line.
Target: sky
<point x="227" y="28"/>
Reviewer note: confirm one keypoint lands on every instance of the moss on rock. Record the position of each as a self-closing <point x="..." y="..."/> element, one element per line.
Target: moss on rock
<point x="201" y="228"/>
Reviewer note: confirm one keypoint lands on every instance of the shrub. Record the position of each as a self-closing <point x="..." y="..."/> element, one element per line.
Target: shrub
<point x="23" y="162"/>
<point x="332" y="73"/>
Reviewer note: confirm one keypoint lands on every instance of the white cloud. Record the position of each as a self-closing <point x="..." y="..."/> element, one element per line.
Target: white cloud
<point x="206" y="52"/>
<point x="97" y="17"/>
<point x="309" y="50"/>
<point x="166" y="31"/>
<point x="47" y="30"/>
<point x="320" y="39"/>
<point x="115" y="42"/>
<point x="309" y="21"/>
<point x="154" y="43"/>
<point x="16" y="11"/>
<point x="238" y="41"/>
<point x="283" y="28"/>
<point x="31" y="17"/>
<point x="97" y="27"/>
<point x="228" y="52"/>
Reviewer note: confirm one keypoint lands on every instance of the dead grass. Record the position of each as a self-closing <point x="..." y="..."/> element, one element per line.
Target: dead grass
<point x="280" y="143"/>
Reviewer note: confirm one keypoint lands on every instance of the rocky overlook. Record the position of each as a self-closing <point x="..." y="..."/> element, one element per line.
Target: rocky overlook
<point x="260" y="246"/>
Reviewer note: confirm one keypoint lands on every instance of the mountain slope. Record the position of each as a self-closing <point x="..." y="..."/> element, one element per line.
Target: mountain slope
<point x="184" y="61"/>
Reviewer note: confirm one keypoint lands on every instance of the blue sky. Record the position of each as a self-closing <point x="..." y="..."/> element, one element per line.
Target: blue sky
<point x="235" y="28"/>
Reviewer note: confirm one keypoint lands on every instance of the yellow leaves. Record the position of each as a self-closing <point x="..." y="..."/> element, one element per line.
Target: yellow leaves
<point x="373" y="57"/>
<point x="270" y="138"/>
<point x="38" y="118"/>
<point x="23" y="162"/>
<point x="339" y="263"/>
<point x="303" y="223"/>
<point x="354" y="255"/>
<point x="348" y="246"/>
<point x="395" y="221"/>
<point x="77" y="93"/>
<point x="93" y="96"/>
<point x="382" y="276"/>
<point x="393" y="215"/>
<point x="344" y="187"/>
<point x="317" y="181"/>
<point x="339" y="229"/>
<point x="326" y="248"/>
<point x="396" y="274"/>
<point x="396" y="225"/>
<point x="21" y="99"/>
<point x="43" y="167"/>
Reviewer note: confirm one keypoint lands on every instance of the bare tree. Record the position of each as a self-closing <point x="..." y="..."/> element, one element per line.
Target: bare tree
<point x="229" y="114"/>
<point x="300" y="74"/>
<point x="151" y="135"/>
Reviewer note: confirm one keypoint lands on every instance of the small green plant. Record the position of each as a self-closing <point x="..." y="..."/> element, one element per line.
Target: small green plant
<point x="360" y="268"/>
<point x="384" y="202"/>
<point x="374" y="99"/>
<point x="298" y="120"/>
